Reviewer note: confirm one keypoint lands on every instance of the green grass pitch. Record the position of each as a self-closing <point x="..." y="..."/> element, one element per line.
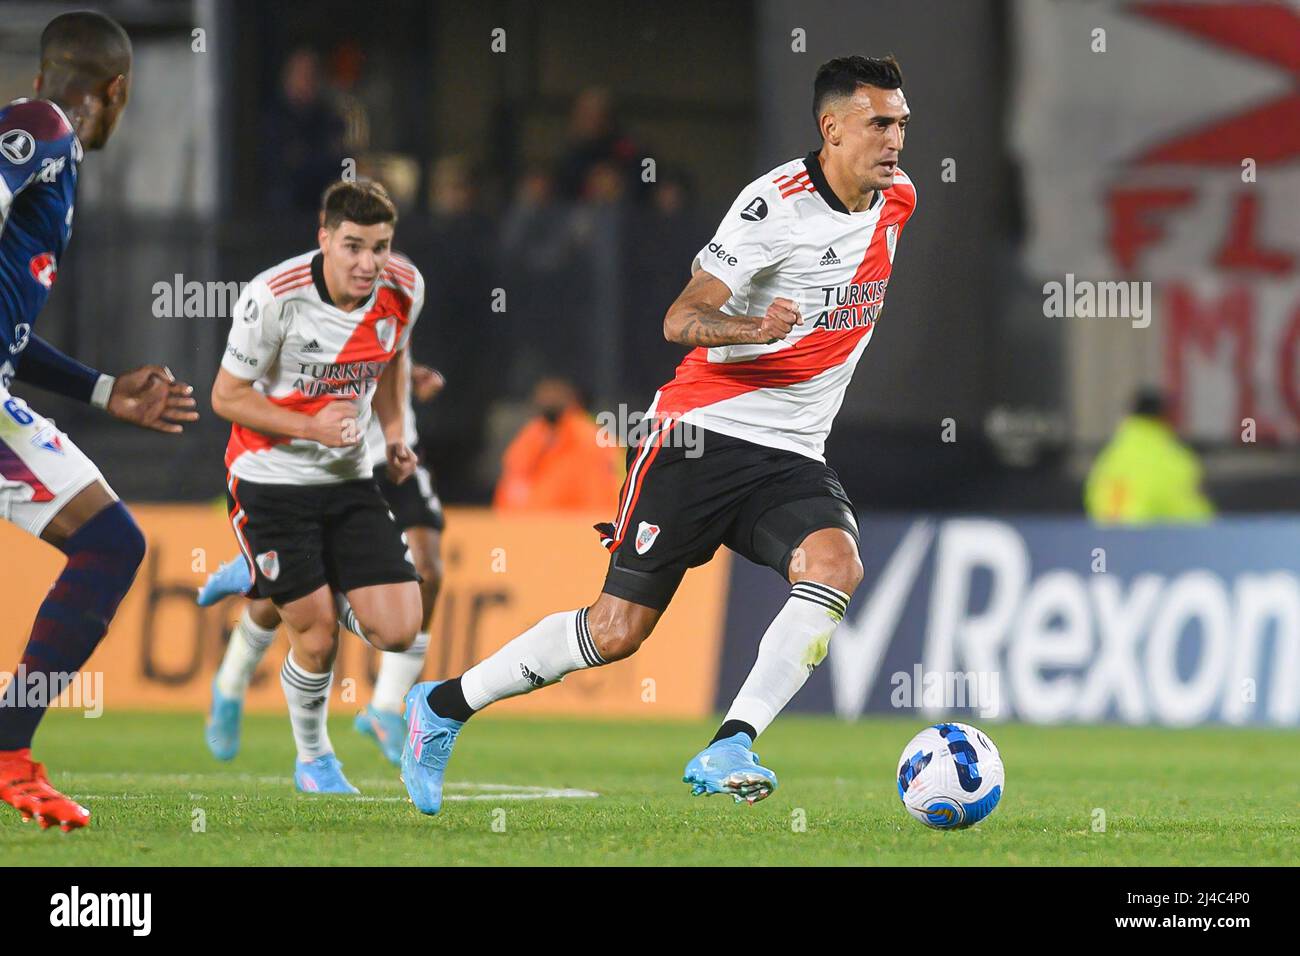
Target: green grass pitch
<point x="1174" y="797"/>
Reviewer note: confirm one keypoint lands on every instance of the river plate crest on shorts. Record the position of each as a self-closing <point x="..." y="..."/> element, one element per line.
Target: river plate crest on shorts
<point x="269" y="562"/>
<point x="645" y="536"/>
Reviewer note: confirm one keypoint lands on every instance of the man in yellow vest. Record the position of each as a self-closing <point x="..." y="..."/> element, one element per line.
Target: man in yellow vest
<point x="1145" y="475"/>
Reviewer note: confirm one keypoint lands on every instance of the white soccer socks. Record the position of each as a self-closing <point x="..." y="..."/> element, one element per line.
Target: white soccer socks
<point x="248" y="643"/>
<point x="554" y="646"/>
<point x="308" y="696"/>
<point x="795" y="642"/>
<point x="398" y="672"/>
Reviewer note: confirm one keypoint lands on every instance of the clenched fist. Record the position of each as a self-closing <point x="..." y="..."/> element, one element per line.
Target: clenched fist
<point x="335" y="425"/>
<point x="781" y="316"/>
<point x="401" y="462"/>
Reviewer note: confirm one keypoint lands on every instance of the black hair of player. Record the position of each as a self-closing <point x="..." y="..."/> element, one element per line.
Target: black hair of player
<point x="843" y="75"/>
<point x="83" y="49"/>
<point x="362" y="201"/>
<point x="1150" y="401"/>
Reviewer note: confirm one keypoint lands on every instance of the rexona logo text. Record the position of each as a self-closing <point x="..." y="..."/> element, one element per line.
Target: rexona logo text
<point x="1178" y="639"/>
<point x="77" y="909"/>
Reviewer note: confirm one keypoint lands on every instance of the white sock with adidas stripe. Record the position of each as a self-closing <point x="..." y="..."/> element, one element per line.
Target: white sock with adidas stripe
<point x="794" y="644"/>
<point x="248" y="644"/>
<point x="554" y="646"/>
<point x="308" y="696"/>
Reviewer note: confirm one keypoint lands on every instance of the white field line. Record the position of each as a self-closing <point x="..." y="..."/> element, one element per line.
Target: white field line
<point x="540" y="795"/>
<point x="477" y="791"/>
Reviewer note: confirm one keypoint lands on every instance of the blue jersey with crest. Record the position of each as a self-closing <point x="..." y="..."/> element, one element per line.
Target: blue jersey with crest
<point x="39" y="153"/>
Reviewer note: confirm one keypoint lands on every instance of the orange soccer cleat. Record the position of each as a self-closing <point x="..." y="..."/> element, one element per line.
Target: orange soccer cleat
<point x="24" y="786"/>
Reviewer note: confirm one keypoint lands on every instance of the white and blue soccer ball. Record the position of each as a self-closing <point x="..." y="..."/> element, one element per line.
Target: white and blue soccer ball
<point x="950" y="776"/>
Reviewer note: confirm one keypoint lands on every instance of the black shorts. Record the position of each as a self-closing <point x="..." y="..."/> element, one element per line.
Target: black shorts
<point x="679" y="504"/>
<point x="414" y="503"/>
<point x="299" y="537"/>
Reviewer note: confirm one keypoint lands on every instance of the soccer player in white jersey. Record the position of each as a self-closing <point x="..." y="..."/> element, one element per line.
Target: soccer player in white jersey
<point x="781" y="305"/>
<point x="418" y="511"/>
<point x="313" y="343"/>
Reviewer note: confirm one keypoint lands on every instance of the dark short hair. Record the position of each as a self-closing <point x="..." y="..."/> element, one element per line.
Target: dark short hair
<point x="85" y="45"/>
<point x="362" y="201"/>
<point x="1150" y="401"/>
<point x="843" y="75"/>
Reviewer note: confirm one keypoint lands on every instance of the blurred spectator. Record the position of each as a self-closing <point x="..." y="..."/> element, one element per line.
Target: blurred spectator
<point x="556" y="462"/>
<point x="1145" y="474"/>
<point x="303" y="137"/>
<point x="601" y="162"/>
<point x="346" y="61"/>
<point x="548" y="256"/>
<point x="458" y="331"/>
<point x="534" y="231"/>
<point x="661" y="239"/>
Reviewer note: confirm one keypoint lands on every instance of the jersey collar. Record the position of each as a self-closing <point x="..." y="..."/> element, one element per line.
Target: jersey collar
<point x="78" y="151"/>
<point x="818" y="177"/>
<point x="322" y="290"/>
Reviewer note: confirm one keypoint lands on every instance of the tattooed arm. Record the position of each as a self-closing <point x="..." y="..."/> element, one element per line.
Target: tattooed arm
<point x="695" y="320"/>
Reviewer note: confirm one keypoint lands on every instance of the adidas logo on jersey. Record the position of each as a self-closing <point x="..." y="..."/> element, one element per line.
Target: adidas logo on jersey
<point x="312" y="346"/>
<point x="830" y="258"/>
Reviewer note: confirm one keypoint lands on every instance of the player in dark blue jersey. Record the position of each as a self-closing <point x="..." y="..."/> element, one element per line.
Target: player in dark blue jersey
<point x="47" y="486"/>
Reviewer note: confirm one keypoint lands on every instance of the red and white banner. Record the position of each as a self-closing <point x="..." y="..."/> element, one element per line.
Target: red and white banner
<point x="1160" y="141"/>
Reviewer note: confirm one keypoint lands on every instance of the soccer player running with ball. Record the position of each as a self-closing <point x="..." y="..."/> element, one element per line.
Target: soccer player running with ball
<point x="779" y="309"/>
<point x="48" y="487"/>
<point x="314" y="342"/>
<point x="418" y="511"/>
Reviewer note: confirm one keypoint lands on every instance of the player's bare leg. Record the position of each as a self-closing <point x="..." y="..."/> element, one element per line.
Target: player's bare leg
<point x="249" y="640"/>
<point x="307" y="675"/>
<point x="382" y="719"/>
<point x="398" y="670"/>
<point x="104" y="548"/>
<point x="609" y="630"/>
<point x="824" y="571"/>
<point x="389" y="615"/>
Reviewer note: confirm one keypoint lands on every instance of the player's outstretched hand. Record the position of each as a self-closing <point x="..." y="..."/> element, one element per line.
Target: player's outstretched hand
<point x="335" y="425"/>
<point x="426" y="382"/>
<point x="151" y="397"/>
<point x="401" y="462"/>
<point x="781" y="316"/>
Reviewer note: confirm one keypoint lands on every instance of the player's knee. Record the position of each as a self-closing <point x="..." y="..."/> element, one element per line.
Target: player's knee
<point x="837" y="566"/>
<point x="388" y="638"/>
<point x="116" y="539"/>
<point x="847" y="573"/>
<point x="396" y="627"/>
<point x="114" y="530"/>
<point x="130" y="539"/>
<point x="314" y="649"/>
<point x="616" y="636"/>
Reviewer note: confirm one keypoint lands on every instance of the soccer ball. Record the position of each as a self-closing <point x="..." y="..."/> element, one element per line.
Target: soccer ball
<point x="950" y="776"/>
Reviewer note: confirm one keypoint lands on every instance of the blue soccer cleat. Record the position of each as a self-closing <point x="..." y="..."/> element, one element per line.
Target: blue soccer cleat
<point x="231" y="578"/>
<point x="224" y="719"/>
<point x="729" y="766"/>
<point x="322" y="775"/>
<point x="429" y="739"/>
<point x="384" y="728"/>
